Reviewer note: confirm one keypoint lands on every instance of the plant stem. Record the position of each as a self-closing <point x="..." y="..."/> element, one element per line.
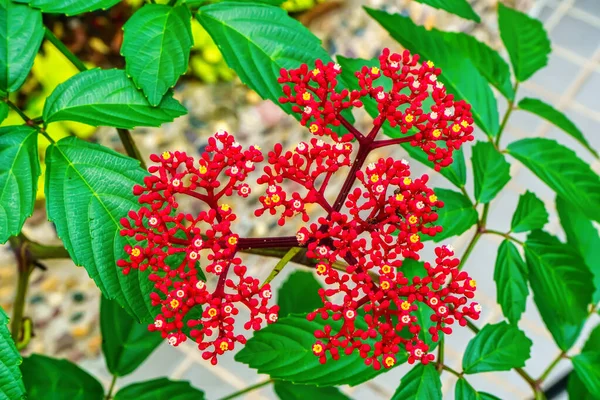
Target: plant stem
<point x="130" y="147"/>
<point x="504" y="235"/>
<point x="440" y="360"/>
<point x="111" y="388"/>
<point x="248" y="389"/>
<point x="282" y="263"/>
<point x="452" y="371"/>
<point x="554" y="363"/>
<point x="510" y="109"/>
<point x="24" y="268"/>
<point x="16" y="109"/>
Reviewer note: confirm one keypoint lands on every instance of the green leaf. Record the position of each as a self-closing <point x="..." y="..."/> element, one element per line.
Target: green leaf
<point x="88" y="189"/>
<point x="159" y="389"/>
<point x="586" y="366"/>
<point x="21" y="34"/>
<point x="69" y="7"/>
<point x="561" y="287"/>
<point x="529" y="215"/>
<point x="107" y="97"/>
<point x="458" y="73"/>
<point x="583" y="236"/>
<point x="459" y="7"/>
<point x="3" y="111"/>
<point x="457" y="215"/>
<point x="420" y="383"/>
<point x="289" y="391"/>
<point x="593" y="341"/>
<point x="125" y="342"/>
<point x="577" y="390"/>
<point x="464" y="391"/>
<point x="498" y="347"/>
<point x="19" y="173"/>
<point x="490" y="170"/>
<point x="195" y="313"/>
<point x="561" y="169"/>
<point x="526" y="41"/>
<point x="61" y="378"/>
<point x="11" y="384"/>
<point x="552" y="115"/>
<point x="284" y="351"/>
<point x="510" y="275"/>
<point x="455" y="172"/>
<point x="156" y="45"/>
<point x="299" y="294"/>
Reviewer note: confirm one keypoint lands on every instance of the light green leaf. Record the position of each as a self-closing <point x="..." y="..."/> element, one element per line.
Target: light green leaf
<point x="459" y="7"/>
<point x="561" y="287"/>
<point x="420" y="383"/>
<point x="458" y="73"/>
<point x="510" y="275"/>
<point x="69" y="7"/>
<point x="125" y="342"/>
<point x="299" y="294"/>
<point x="284" y="351"/>
<point x="529" y="215"/>
<point x="583" y="236"/>
<point x="3" y="111"/>
<point x="490" y="170"/>
<point x="156" y="45"/>
<point x="464" y="391"/>
<point x="289" y="391"/>
<point x="19" y="173"/>
<point x="552" y="115"/>
<point x="526" y="41"/>
<point x="561" y="169"/>
<point x="159" y="389"/>
<point x="593" y="341"/>
<point x="109" y="98"/>
<point x="455" y="172"/>
<point x="586" y="367"/>
<point x="21" y="33"/>
<point x="11" y="384"/>
<point x="457" y="215"/>
<point x="498" y="347"/>
<point x="61" y="378"/>
<point x="88" y="189"/>
<point x="577" y="390"/>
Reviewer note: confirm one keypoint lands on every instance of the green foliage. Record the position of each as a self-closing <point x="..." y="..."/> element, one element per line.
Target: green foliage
<point x="3" y="111"/>
<point x="156" y="45"/>
<point x="491" y="171"/>
<point x="457" y="215"/>
<point x="586" y="367"/>
<point x="19" y="172"/>
<point x="107" y="97"/>
<point x="299" y="294"/>
<point x="158" y="389"/>
<point x="125" y="342"/>
<point x="510" y="275"/>
<point x="577" y="390"/>
<point x="289" y="391"/>
<point x="459" y="7"/>
<point x="69" y="7"/>
<point x="560" y="282"/>
<point x="529" y="215"/>
<point x="11" y="384"/>
<point x="61" y="378"/>
<point x="92" y="180"/>
<point x="21" y="33"/>
<point x="420" y="383"/>
<point x="455" y="172"/>
<point x="561" y="169"/>
<point x="464" y="391"/>
<point x="284" y="351"/>
<point x="526" y="41"/>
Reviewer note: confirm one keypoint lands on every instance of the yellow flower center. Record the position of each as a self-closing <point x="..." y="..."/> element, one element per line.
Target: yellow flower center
<point x="405" y="305"/>
<point x="267" y="201"/>
<point x="202" y="169"/>
<point x="430" y="64"/>
<point x="232" y="240"/>
<point x="472" y="283"/>
<point x="313" y="128"/>
<point x="386" y="269"/>
<point x="317" y="348"/>
<point x="374" y="70"/>
<point x="174" y="303"/>
<point x="275" y="198"/>
<point x="432" y="198"/>
<point x="389" y="361"/>
<point x="136" y="252"/>
<point x="407" y="181"/>
<point x="306" y="96"/>
<point x="374" y="178"/>
<point x="464" y="124"/>
<point x="409" y="118"/>
<point x="224" y="346"/>
<point x="225" y="207"/>
<point x="166" y="155"/>
<point x="316" y="72"/>
<point x="321" y="268"/>
<point x="414" y="238"/>
<point x="399" y="197"/>
<point x="385" y="285"/>
<point x="412" y="219"/>
<point x="212" y="312"/>
<point x="456" y="127"/>
<point x="436" y="133"/>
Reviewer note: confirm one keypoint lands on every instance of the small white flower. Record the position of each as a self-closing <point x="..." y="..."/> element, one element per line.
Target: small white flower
<point x="235" y="144"/>
<point x="450" y="248"/>
<point x="403" y="161"/>
<point x="320" y="143"/>
<point x="371" y="167"/>
<point x="379" y="188"/>
<point x="439" y="85"/>
<point x="420" y="205"/>
<point x="350" y="314"/>
<point x="307" y="110"/>
<point x="433" y="77"/>
<point x="301" y="146"/>
<point x="477" y="307"/>
<point x="380" y="96"/>
<point x="176" y="182"/>
<point x="153" y="221"/>
<point x="200" y="285"/>
<point x="158" y="323"/>
<point x="418" y="353"/>
<point x="218" y="268"/>
<point x="433" y="301"/>
<point x="433" y="115"/>
<point x="249" y="164"/>
<point x="193" y="255"/>
<point x="173" y="341"/>
<point x="234" y="170"/>
<point x="272" y="189"/>
<point x="337" y="67"/>
<point x="267" y="294"/>
<point x="405" y="319"/>
<point x="442" y="310"/>
<point x="448" y="112"/>
<point x="198" y="242"/>
<point x="394" y="64"/>
<point x="272" y="317"/>
<point x="300" y="237"/>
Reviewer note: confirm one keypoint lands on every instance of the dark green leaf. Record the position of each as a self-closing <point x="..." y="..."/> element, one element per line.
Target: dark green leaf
<point x="561" y="169"/>
<point x="458" y="73"/>
<point x="160" y="389"/>
<point x="156" y="45"/>
<point x="459" y="7"/>
<point x="583" y="236"/>
<point x="88" y="189"/>
<point x="529" y="215"/>
<point x="11" y="384"/>
<point x="125" y="342"/>
<point x="21" y="34"/>
<point x="69" y="7"/>
<point x="457" y="215"/>
<point x="420" y="383"/>
<point x="107" y="97"/>
<point x="498" y="347"/>
<point x="552" y="115"/>
<point x="19" y="173"/>
<point x="577" y="390"/>
<point x="284" y="351"/>
<point x="455" y="172"/>
<point x="289" y="391"/>
<point x="587" y="366"/>
<point x="195" y="313"/>
<point x="299" y="294"/>
<point x="561" y="287"/>
<point x="490" y="170"/>
<point x="525" y="39"/>
<point x="510" y="275"/>
<point x="593" y="341"/>
<point x="464" y="391"/>
<point x="51" y="378"/>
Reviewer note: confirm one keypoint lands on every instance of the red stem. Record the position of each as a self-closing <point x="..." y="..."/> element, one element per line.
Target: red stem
<point x="389" y="142"/>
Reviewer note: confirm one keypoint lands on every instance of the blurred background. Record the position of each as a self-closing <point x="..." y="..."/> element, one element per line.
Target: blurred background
<point x="64" y="303"/>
